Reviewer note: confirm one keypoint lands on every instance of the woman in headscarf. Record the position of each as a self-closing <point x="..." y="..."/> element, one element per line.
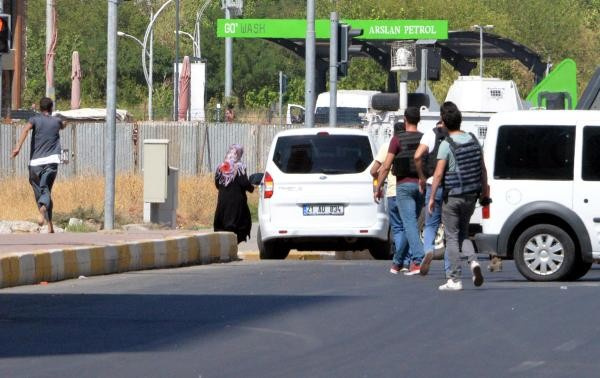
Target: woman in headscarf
<point x="232" y="213"/>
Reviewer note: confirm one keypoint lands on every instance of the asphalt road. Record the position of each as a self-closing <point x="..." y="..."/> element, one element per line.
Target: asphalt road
<point x="300" y="319"/>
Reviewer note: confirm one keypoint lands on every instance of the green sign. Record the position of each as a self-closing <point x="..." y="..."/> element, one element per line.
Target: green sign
<point x="296" y="29"/>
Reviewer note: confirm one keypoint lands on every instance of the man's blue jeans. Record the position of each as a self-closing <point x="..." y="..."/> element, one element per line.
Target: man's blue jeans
<point x="401" y="256"/>
<point x="432" y="222"/>
<point x="410" y="202"/>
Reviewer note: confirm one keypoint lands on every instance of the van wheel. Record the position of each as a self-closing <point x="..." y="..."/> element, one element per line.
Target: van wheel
<point x="270" y="250"/>
<point x="544" y="252"/>
<point x="381" y="250"/>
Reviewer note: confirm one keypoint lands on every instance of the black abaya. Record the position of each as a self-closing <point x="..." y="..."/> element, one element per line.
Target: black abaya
<point x="232" y="213"/>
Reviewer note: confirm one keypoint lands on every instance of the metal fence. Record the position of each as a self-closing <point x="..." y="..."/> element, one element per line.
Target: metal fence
<point x="194" y="147"/>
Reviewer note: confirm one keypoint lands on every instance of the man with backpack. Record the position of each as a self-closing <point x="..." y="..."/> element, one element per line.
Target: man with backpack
<point x="461" y="169"/>
<point x="400" y="158"/>
<point x="425" y="162"/>
<point x="401" y="259"/>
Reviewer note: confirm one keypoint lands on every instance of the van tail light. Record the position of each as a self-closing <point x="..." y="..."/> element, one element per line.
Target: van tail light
<point x="268" y="182"/>
<point x="485" y="212"/>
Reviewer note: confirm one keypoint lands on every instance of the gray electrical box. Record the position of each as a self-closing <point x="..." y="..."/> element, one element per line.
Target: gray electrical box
<point x="156" y="170"/>
<point x="161" y="184"/>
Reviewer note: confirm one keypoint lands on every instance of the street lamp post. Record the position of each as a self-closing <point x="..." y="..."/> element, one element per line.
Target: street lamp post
<point x="481" y="27"/>
<point x="195" y="44"/>
<point x="197" y="30"/>
<point x="149" y="78"/>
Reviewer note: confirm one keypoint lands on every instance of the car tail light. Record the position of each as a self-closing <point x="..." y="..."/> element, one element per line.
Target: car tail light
<point x="485" y="212"/>
<point x="268" y="182"/>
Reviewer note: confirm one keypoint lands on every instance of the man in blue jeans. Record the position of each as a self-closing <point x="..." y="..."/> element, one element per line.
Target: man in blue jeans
<point x="425" y="161"/>
<point x="401" y="259"/>
<point x="409" y="199"/>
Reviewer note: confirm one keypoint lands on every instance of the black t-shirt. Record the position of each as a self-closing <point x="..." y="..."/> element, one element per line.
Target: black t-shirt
<point x="45" y="139"/>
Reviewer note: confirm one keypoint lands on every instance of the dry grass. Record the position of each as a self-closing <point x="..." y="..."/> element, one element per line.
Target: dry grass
<point x="197" y="199"/>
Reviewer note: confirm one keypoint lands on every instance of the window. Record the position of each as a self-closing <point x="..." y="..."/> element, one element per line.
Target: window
<point x="535" y="153"/>
<point x="323" y="153"/>
<point x="345" y="116"/>
<point x="590" y="170"/>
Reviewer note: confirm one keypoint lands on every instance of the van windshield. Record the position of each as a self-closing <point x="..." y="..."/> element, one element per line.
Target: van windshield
<point x="345" y="116"/>
<point x="323" y="153"/>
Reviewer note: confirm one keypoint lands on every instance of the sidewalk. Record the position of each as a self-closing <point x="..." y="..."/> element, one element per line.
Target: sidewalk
<point x="37" y="258"/>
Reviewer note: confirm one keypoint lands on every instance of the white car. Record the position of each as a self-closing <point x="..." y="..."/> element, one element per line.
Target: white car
<point x="317" y="194"/>
<point x="544" y="176"/>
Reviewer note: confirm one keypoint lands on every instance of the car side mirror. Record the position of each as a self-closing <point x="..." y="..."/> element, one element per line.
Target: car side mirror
<point x="255" y="178"/>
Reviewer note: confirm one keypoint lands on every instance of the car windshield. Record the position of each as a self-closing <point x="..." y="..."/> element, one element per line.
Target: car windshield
<point x="345" y="116"/>
<point x="323" y="153"/>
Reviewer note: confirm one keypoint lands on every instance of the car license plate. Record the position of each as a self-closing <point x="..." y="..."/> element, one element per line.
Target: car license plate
<point x="323" y="209"/>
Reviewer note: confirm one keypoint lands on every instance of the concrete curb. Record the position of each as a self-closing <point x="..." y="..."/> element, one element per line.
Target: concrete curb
<point x="25" y="268"/>
<point x="345" y="255"/>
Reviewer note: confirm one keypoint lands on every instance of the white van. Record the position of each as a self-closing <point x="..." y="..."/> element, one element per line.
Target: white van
<point x="351" y="105"/>
<point x="544" y="176"/>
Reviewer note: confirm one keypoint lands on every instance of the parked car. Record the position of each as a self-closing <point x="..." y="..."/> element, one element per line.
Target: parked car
<point x="317" y="194"/>
<point x="544" y="175"/>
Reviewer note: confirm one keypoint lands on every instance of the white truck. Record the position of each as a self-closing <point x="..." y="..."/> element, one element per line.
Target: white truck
<point x="351" y="106"/>
<point x="477" y="98"/>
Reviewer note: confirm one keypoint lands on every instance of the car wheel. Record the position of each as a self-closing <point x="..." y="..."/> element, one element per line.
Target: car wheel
<point x="544" y="252"/>
<point x="439" y="244"/>
<point x="270" y="250"/>
<point x="381" y="250"/>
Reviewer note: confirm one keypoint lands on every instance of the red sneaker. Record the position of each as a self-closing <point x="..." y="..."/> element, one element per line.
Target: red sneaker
<point x="413" y="270"/>
<point x="395" y="269"/>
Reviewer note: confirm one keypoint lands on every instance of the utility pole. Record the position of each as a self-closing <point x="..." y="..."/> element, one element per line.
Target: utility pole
<point x="17" y="83"/>
<point x="228" y="57"/>
<point x="1" y="66"/>
<point x="333" y="68"/>
<point x="50" y="92"/>
<point x="280" y="96"/>
<point x="150" y="64"/>
<point x="310" y="60"/>
<point x="176" y="110"/>
<point x="111" y="116"/>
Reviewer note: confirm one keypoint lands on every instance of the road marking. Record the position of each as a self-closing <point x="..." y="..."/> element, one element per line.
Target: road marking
<point x="569" y="346"/>
<point x="526" y="365"/>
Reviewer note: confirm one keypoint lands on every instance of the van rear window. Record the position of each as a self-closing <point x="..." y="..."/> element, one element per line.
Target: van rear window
<point x="535" y="152"/>
<point x="323" y="153"/>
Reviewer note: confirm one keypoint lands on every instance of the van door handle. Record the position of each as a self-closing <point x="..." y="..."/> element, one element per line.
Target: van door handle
<point x="597" y="220"/>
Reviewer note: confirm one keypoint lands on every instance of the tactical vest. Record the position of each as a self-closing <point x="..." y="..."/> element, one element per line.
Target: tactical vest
<point x="467" y="176"/>
<point x="431" y="158"/>
<point x="404" y="161"/>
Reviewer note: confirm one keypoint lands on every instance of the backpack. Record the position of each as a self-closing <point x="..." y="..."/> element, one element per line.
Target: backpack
<point x="404" y="161"/>
<point x="430" y="160"/>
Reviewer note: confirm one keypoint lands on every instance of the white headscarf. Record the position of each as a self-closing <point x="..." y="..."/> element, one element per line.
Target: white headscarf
<point x="232" y="165"/>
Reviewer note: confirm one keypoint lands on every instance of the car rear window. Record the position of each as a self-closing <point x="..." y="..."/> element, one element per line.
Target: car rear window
<point x="323" y="153"/>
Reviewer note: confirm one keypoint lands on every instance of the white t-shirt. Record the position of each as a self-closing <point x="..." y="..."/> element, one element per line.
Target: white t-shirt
<point x="52" y="159"/>
<point x="428" y="139"/>
<point x="391" y="179"/>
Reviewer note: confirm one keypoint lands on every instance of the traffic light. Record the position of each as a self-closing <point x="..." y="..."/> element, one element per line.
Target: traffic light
<point x="4" y="33"/>
<point x="345" y="35"/>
